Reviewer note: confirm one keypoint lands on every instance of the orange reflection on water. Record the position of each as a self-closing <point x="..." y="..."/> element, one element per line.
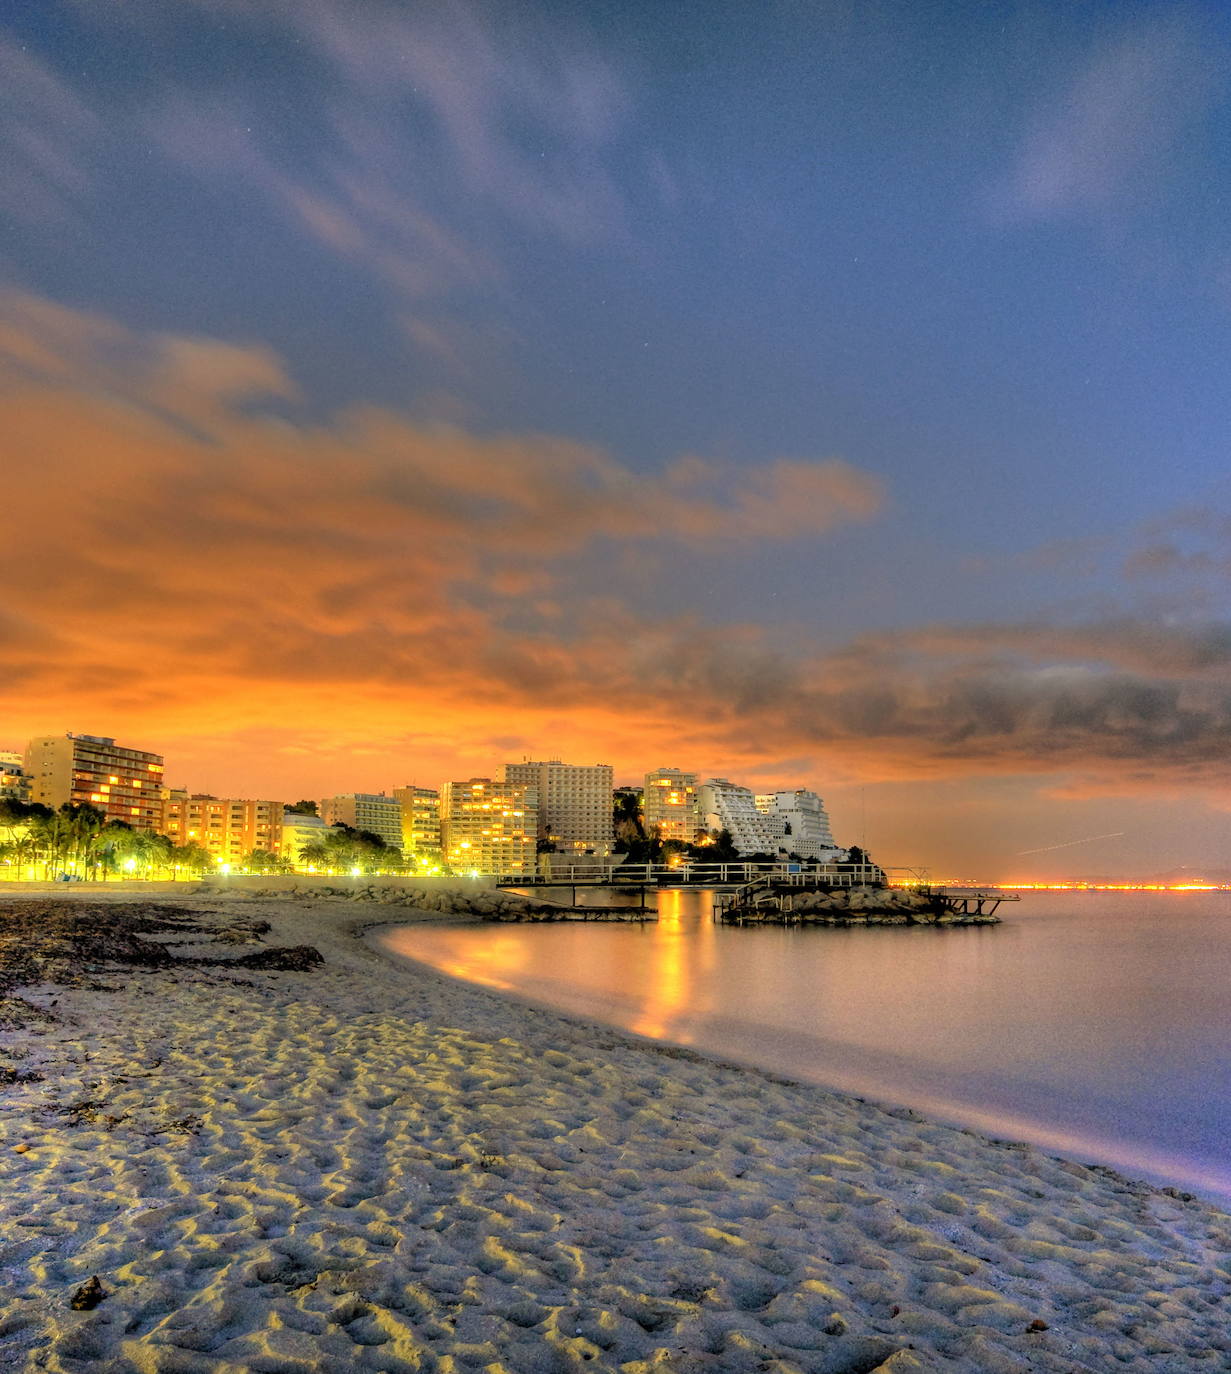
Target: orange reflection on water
<point x="681" y="957"/>
<point x="492" y="964"/>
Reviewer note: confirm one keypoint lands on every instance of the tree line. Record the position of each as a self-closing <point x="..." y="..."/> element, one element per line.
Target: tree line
<point x="79" y="841"/>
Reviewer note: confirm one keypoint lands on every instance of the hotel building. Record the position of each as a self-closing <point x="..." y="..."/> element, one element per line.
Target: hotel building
<point x="801" y="824"/>
<point x="228" y="828"/>
<point x="669" y="805"/>
<point x="124" y="784"/>
<point x="727" y="806"/>
<point x="420" y="810"/>
<point x="373" y="811"/>
<point x="489" y="827"/>
<point x="574" y="803"/>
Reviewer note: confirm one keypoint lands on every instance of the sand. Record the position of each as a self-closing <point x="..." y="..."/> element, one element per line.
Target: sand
<point x="367" y="1166"/>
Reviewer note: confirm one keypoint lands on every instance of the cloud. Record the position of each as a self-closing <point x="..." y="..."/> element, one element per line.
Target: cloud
<point x="208" y="559"/>
<point x="1103" y="138"/>
<point x="48" y="132"/>
<point x="526" y="108"/>
<point x="426" y="122"/>
<point x="202" y="563"/>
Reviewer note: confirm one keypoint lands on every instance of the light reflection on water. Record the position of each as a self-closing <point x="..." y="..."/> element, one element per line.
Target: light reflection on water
<point x="1096" y="1024"/>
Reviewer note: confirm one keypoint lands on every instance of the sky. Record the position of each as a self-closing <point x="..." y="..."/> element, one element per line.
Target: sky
<point x="811" y="394"/>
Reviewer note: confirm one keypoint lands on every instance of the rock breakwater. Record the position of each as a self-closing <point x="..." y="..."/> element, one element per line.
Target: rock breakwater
<point x="489" y="904"/>
<point x="856" y="906"/>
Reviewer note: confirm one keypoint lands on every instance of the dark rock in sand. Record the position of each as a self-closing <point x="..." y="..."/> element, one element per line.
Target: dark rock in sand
<point x="89" y="1295"/>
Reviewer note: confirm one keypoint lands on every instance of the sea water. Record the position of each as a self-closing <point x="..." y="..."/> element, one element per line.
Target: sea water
<point x="1097" y="1025"/>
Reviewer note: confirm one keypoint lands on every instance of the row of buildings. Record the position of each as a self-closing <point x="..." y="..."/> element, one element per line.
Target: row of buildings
<point x="485" y="825"/>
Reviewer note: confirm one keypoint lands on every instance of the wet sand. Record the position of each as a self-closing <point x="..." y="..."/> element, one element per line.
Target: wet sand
<point x="365" y="1165"/>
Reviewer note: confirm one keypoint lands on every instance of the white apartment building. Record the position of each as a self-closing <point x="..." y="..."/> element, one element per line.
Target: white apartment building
<point x="489" y="827"/>
<point x="727" y="806"/>
<point x="299" y="830"/>
<point x="574" y="803"/>
<point x="800" y="824"/>
<point x="669" y="805"/>
<point x="373" y="811"/>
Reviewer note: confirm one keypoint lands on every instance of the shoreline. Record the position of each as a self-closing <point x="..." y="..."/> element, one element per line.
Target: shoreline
<point x="1161" y="1172"/>
<point x="372" y="1165"/>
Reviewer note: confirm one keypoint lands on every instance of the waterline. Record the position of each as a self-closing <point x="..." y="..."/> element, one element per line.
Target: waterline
<point x="1095" y="1026"/>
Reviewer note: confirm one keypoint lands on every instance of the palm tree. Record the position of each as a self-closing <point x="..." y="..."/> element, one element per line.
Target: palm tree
<point x="66" y="838"/>
<point x="21" y="851"/>
<point x="315" y="853"/>
<point x="265" y="861"/>
<point x="191" y="857"/>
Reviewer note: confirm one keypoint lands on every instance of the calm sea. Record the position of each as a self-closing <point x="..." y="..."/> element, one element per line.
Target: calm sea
<point x="1097" y="1025"/>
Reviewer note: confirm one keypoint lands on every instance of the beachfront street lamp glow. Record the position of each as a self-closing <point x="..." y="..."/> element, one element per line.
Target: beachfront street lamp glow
<point x="224" y="868"/>
<point x="129" y="865"/>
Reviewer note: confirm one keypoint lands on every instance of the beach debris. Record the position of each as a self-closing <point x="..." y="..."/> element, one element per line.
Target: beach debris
<point x="185" y="1125"/>
<point x="1037" y="1325"/>
<point x="89" y="1295"/>
<point x="22" y="1148"/>
<point x="69" y="944"/>
<point x="83" y="1113"/>
<point x="11" y="1076"/>
<point x="286" y="958"/>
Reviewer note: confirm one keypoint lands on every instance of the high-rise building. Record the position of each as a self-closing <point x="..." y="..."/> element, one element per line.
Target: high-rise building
<point x="670" y="805"/>
<point x="14" y="780"/>
<point x="727" y="806"/>
<point x="373" y="811"/>
<point x="801" y="824"/>
<point x="489" y="827"/>
<point x="124" y="784"/>
<point x="574" y="802"/>
<point x="420" y="808"/>
<point x="228" y="828"/>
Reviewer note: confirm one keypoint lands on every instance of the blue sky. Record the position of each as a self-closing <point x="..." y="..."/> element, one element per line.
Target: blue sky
<point x="968" y="267"/>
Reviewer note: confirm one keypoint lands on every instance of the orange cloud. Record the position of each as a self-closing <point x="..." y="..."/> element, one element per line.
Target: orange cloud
<point x="289" y="604"/>
<point x="195" y="565"/>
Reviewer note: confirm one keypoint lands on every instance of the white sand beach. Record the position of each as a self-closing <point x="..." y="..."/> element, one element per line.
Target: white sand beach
<point x="367" y="1166"/>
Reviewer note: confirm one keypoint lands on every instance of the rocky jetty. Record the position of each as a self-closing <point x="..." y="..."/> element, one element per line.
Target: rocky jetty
<point x="775" y="904"/>
<point x="489" y="904"/>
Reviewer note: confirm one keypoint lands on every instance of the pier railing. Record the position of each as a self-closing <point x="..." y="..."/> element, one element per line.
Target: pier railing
<point x="737" y="874"/>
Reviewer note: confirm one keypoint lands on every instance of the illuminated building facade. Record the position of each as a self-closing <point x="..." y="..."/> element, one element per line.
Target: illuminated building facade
<point x="574" y="803"/>
<point x="297" y="831"/>
<point x="420" y="808"/>
<point x="373" y="811"/>
<point x="228" y="828"/>
<point x="14" y="780"/>
<point x="669" y="805"/>
<point x="801" y="824"/>
<point x="124" y="784"/>
<point x="489" y="827"/>
<point x="727" y="806"/>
